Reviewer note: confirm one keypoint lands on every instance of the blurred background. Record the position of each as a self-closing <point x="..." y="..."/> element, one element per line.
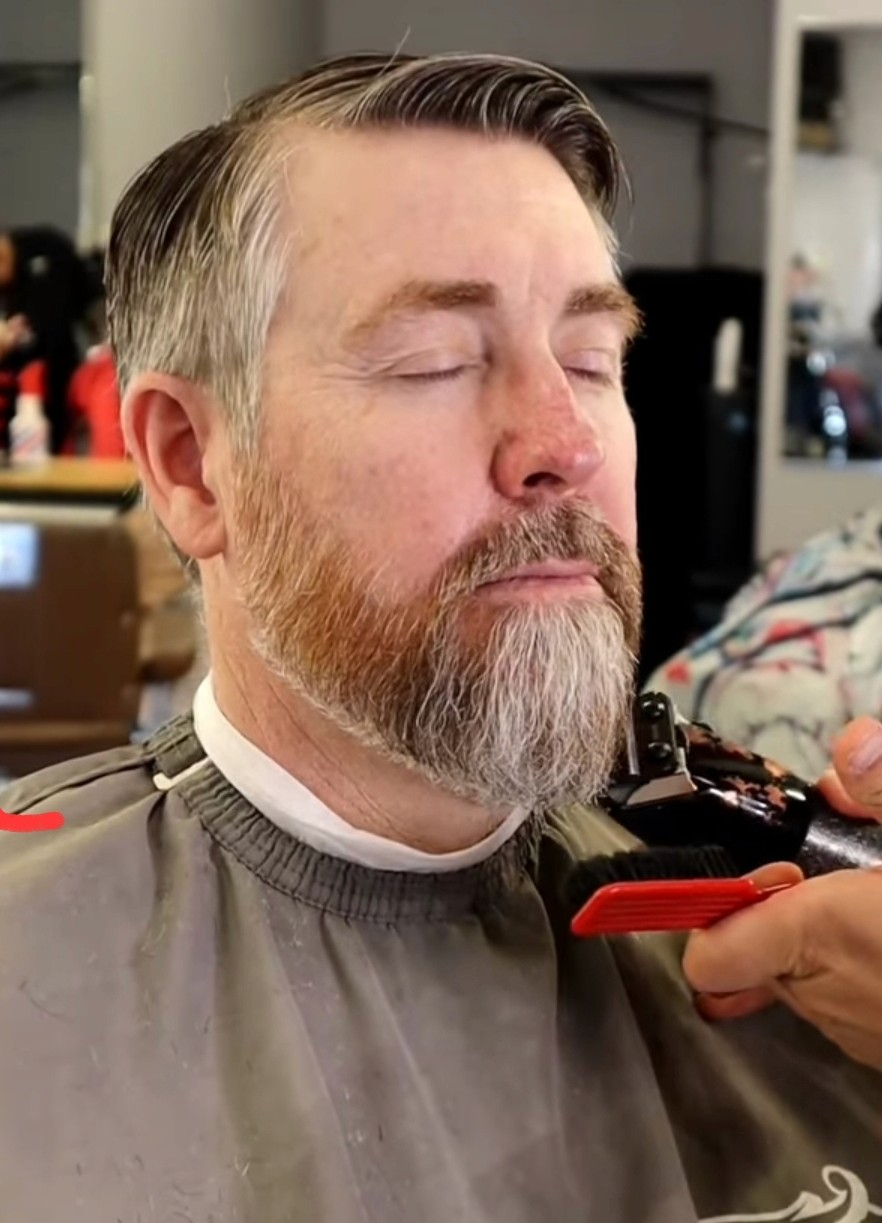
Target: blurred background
<point x="752" y="242"/>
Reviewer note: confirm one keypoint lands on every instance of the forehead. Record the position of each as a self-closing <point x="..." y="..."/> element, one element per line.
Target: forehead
<point x="437" y="203"/>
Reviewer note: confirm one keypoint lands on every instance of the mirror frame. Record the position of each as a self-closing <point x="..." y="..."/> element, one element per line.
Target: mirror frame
<point x="796" y="498"/>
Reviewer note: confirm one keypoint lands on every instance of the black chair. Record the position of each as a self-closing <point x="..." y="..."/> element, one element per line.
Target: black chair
<point x="69" y="633"/>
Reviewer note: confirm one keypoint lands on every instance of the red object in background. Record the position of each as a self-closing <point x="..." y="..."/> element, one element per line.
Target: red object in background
<point x="93" y="397"/>
<point x="32" y="380"/>
<point x="8" y="389"/>
<point x="678" y="673"/>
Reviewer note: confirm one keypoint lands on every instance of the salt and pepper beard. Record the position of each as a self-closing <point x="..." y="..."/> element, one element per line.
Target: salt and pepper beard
<point x="506" y="705"/>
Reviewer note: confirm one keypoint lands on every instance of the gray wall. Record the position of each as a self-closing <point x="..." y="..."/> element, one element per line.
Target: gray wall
<point x="40" y="131"/>
<point x="161" y="68"/>
<point x="728" y="38"/>
<point x="39" y="29"/>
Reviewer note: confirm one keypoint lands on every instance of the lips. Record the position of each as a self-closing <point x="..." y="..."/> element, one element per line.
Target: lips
<point x="549" y="570"/>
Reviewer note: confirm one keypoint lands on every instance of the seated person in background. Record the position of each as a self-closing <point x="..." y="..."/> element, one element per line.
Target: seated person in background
<point x="14" y="334"/>
<point x="797" y="653"/>
<point x="303" y="956"/>
<point x="45" y="287"/>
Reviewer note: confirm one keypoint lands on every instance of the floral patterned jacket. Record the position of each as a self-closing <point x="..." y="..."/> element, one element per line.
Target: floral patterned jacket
<point x="797" y="653"/>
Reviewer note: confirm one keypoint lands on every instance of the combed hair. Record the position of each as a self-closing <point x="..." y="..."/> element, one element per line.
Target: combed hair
<point x="197" y="259"/>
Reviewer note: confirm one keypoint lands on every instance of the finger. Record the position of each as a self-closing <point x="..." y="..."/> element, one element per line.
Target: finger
<point x="776" y="874"/>
<point x="831" y="786"/>
<point x="857" y="761"/>
<point x="755" y="946"/>
<point x="720" y="1007"/>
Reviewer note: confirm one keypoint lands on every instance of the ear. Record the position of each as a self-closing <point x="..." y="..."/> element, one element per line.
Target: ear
<point x="174" y="432"/>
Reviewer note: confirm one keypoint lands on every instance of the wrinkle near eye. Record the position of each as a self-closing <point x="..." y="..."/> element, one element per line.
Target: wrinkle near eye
<point x="437" y="361"/>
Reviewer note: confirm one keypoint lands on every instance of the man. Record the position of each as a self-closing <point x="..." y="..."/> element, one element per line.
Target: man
<point x="44" y="293"/>
<point x="310" y="961"/>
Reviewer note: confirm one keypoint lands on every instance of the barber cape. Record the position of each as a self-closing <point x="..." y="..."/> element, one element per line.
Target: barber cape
<point x="205" y="1020"/>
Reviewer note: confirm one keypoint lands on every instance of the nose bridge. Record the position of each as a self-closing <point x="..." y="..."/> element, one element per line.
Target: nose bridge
<point x="549" y="440"/>
<point x="552" y="409"/>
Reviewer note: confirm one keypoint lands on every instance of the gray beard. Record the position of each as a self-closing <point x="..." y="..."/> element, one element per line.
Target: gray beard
<point x="533" y="718"/>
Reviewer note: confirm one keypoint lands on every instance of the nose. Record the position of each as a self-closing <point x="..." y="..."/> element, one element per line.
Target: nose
<point x="553" y="449"/>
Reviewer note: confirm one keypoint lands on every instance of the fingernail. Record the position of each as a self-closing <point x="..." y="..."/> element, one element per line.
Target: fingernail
<point x="865" y="757"/>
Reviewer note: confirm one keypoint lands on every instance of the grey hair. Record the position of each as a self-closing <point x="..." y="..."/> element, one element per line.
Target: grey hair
<point x="196" y="260"/>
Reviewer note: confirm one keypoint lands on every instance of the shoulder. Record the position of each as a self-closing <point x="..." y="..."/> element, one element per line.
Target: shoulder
<point x="89" y="887"/>
<point x="93" y="794"/>
<point x="87" y="783"/>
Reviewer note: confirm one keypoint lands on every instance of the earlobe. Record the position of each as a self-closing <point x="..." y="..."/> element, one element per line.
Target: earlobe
<point x="174" y="433"/>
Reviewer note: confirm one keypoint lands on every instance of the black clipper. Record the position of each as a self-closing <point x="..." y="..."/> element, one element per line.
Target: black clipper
<point x="683" y="786"/>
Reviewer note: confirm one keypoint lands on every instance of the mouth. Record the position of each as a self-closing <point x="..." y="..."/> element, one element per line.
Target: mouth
<point x="547" y="579"/>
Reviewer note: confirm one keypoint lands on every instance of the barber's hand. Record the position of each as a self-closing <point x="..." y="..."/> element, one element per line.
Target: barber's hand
<point x="816" y="947"/>
<point x="13" y="333"/>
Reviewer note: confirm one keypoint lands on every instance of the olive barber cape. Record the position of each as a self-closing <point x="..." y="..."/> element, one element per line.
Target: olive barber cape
<point x="203" y="1020"/>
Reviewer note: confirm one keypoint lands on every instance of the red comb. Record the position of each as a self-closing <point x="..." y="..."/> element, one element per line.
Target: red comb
<point x="667" y="904"/>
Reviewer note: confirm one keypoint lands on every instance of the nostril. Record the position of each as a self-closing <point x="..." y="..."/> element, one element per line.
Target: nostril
<point x="541" y="477"/>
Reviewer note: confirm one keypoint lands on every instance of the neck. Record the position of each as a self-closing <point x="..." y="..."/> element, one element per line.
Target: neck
<point x="354" y="781"/>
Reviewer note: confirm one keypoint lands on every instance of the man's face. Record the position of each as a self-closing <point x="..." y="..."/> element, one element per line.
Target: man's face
<point x="437" y="543"/>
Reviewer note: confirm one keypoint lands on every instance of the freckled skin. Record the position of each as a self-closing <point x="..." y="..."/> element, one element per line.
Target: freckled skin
<point x="408" y="471"/>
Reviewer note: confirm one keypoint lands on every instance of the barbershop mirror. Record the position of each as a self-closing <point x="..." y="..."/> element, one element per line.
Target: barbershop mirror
<point x="833" y="399"/>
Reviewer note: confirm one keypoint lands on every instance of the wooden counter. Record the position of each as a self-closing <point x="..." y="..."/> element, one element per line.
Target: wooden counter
<point x="70" y="480"/>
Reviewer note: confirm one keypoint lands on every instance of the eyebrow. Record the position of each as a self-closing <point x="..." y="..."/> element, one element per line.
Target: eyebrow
<point x="609" y="297"/>
<point x="423" y="296"/>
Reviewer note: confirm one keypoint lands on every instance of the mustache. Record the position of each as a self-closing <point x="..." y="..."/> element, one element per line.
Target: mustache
<point x="569" y="531"/>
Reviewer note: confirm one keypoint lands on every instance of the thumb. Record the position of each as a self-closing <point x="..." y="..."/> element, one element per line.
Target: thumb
<point x="753" y="947"/>
<point x="740" y="1005"/>
<point x="854" y="785"/>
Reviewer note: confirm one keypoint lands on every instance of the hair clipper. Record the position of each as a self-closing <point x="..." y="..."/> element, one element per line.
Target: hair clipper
<point x="683" y="786"/>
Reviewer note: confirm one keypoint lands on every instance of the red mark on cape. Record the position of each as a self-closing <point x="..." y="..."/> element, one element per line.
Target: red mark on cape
<point x="46" y="821"/>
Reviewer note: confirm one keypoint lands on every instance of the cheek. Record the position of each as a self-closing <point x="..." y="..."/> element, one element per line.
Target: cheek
<point x="399" y="491"/>
<point x="615" y="489"/>
<point x="403" y="512"/>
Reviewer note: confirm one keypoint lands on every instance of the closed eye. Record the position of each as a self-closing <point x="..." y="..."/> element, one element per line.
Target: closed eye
<point x="601" y="366"/>
<point x="600" y="377"/>
<point x="434" y="375"/>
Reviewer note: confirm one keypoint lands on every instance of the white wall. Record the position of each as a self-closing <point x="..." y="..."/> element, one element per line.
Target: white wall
<point x="157" y="69"/>
<point x="245" y="43"/>
<point x="728" y="38"/>
<point x="34" y="30"/>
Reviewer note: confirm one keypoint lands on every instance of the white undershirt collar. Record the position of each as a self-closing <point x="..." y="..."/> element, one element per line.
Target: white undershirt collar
<point x="296" y="810"/>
